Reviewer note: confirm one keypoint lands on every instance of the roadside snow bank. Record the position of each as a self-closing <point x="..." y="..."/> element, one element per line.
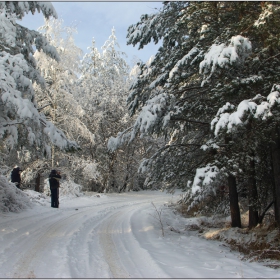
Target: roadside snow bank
<point x="260" y="244"/>
<point x="39" y="198"/>
<point x="11" y="198"/>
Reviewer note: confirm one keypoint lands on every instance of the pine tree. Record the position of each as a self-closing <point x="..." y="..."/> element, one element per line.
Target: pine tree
<point x="21" y="123"/>
<point x="215" y="58"/>
<point x="104" y="85"/>
<point x="57" y="99"/>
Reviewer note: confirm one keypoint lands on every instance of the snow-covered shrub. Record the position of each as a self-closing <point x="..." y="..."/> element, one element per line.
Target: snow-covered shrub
<point x="11" y="198"/>
<point x="70" y="189"/>
<point x="90" y="170"/>
<point x="67" y="188"/>
<point x="207" y="193"/>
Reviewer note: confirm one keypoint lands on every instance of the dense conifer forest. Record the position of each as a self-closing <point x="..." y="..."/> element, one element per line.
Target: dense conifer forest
<point x="202" y="115"/>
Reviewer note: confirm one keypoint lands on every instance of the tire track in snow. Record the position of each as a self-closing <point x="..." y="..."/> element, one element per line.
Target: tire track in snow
<point x="109" y="249"/>
<point x="23" y="267"/>
<point x="26" y="266"/>
<point x="83" y="256"/>
<point x="86" y="252"/>
<point x="93" y="251"/>
<point x="91" y="227"/>
<point x="122" y="251"/>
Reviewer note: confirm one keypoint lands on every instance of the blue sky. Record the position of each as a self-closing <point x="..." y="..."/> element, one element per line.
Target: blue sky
<point x="96" y="19"/>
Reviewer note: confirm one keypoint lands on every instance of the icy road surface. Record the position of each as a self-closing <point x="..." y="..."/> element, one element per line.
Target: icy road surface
<point x="113" y="236"/>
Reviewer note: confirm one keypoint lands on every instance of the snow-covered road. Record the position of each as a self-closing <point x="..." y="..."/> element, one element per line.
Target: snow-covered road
<point x="112" y="236"/>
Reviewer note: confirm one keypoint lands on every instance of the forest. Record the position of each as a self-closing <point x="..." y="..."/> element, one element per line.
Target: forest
<point x="202" y="115"/>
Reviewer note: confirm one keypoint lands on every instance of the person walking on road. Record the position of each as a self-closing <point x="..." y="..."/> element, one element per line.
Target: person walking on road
<point x="54" y="178"/>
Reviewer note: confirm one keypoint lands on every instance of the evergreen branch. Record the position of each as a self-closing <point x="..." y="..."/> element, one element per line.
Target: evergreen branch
<point x="191" y="121"/>
<point x="40" y="109"/>
<point x="13" y="123"/>
<point x="271" y="57"/>
<point x="185" y="145"/>
<point x="173" y="146"/>
<point x="195" y="94"/>
<point x="190" y="88"/>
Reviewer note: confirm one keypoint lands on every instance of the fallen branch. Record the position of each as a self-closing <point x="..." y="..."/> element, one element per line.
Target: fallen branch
<point x="263" y="214"/>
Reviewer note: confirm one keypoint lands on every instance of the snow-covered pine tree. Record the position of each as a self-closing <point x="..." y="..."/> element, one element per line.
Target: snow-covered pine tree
<point x="214" y="56"/>
<point x="169" y="96"/>
<point x="57" y="99"/>
<point x="21" y="122"/>
<point x="242" y="88"/>
<point x="104" y="86"/>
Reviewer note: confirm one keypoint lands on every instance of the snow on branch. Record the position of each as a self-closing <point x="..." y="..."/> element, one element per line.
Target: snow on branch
<point x="222" y="56"/>
<point x="20" y="8"/>
<point x="57" y="137"/>
<point x="203" y="185"/>
<point x="186" y="60"/>
<point x="7" y="28"/>
<point x="203" y="177"/>
<point x="229" y="118"/>
<point x="42" y="43"/>
<point x="143" y="31"/>
<point x="47" y="9"/>
<point x="268" y="11"/>
<point x="90" y="170"/>
<point x="152" y="117"/>
<point x="116" y="142"/>
<point x="23" y="110"/>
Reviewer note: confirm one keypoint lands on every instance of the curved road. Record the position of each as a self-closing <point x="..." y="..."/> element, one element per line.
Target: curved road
<point x="112" y="237"/>
<point x="78" y="243"/>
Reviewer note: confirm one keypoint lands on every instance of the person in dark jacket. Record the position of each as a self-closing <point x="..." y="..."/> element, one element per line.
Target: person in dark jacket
<point x="15" y="176"/>
<point x="54" y="178"/>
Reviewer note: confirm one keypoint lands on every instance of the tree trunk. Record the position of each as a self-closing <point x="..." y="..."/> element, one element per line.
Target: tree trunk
<point x="53" y="121"/>
<point x="252" y="195"/>
<point x="112" y="180"/>
<point x="52" y="157"/>
<point x="234" y="206"/>
<point x="37" y="184"/>
<point x="123" y="188"/>
<point x="233" y="197"/>
<point x="275" y="154"/>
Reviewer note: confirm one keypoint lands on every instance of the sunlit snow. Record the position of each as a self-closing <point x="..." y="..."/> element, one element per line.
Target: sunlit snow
<point x="113" y="236"/>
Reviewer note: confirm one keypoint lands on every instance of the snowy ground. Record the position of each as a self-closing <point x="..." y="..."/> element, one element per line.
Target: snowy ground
<point x="113" y="236"/>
